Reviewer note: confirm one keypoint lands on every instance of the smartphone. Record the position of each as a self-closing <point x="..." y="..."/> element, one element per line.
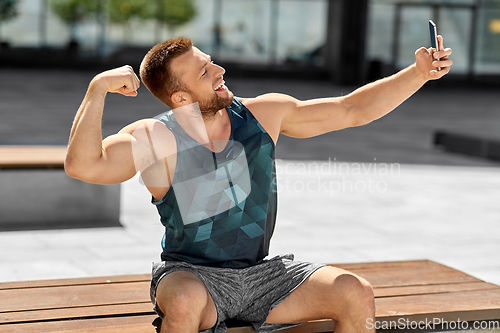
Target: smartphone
<point x="434" y="37"/>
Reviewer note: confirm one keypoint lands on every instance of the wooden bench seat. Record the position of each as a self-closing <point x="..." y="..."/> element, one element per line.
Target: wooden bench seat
<point x="32" y="157"/>
<point x="413" y="290"/>
<point x="33" y="177"/>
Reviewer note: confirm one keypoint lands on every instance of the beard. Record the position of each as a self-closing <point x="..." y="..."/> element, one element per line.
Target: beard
<point x="209" y="107"/>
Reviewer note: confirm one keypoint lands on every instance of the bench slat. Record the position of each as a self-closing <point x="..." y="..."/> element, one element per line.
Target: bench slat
<point x="137" y="324"/>
<point x="48" y="315"/>
<point x="73" y="296"/>
<point x="395" y="274"/>
<point x="126" y="324"/>
<point x="466" y="305"/>
<point x="28" y="157"/>
<point x="75" y="282"/>
<point x="393" y="265"/>
<point x="433" y="289"/>
<point x="310" y="326"/>
<point x="415" y="266"/>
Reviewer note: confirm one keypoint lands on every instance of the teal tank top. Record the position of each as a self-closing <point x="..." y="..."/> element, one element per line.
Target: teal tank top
<point x="221" y="207"/>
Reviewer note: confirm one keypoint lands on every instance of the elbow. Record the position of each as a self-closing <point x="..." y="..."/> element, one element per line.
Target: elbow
<point x="70" y="168"/>
<point x="361" y="121"/>
<point x="355" y="117"/>
<point x="80" y="166"/>
<point x="77" y="170"/>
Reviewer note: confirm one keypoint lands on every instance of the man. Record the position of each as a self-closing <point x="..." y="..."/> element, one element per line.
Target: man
<point x="209" y="165"/>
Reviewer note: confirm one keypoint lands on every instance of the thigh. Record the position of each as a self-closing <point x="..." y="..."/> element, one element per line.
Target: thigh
<point x="321" y="296"/>
<point x="184" y="293"/>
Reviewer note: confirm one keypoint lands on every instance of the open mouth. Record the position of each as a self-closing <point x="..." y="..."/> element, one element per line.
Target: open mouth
<point x="221" y="86"/>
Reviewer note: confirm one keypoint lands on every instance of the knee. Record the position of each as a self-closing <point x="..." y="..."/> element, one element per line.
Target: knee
<point x="185" y="300"/>
<point x="355" y="292"/>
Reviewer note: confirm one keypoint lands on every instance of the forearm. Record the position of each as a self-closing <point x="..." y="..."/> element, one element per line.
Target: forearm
<point x="366" y="104"/>
<point x="376" y="99"/>
<point x="85" y="142"/>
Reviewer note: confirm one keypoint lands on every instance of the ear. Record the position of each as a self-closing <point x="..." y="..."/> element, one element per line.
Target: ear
<point x="180" y="98"/>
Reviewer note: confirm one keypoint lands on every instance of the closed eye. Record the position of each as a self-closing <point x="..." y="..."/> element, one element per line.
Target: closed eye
<point x="205" y="71"/>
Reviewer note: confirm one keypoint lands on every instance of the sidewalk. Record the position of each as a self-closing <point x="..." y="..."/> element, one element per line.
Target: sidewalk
<point x="334" y="213"/>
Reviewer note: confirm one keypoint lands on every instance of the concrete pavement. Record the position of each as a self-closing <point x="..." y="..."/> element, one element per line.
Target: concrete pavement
<point x="338" y="212"/>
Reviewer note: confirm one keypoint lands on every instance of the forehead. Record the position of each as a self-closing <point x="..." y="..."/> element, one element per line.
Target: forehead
<point x="189" y="64"/>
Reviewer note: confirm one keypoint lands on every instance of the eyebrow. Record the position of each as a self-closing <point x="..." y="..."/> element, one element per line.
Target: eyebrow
<point x="209" y="61"/>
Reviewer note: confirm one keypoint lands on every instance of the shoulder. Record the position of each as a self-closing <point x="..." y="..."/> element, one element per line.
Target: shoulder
<point x="147" y="126"/>
<point x="270" y="110"/>
<point x="272" y="105"/>
<point x="151" y="132"/>
<point x="148" y="123"/>
<point x="270" y="101"/>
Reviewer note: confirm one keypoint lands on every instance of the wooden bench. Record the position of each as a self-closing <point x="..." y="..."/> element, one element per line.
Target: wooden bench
<point x="36" y="193"/>
<point x="411" y="290"/>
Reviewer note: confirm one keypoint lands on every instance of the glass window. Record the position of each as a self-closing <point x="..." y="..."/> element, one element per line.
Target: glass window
<point x="23" y="30"/>
<point x="245" y="30"/>
<point x="488" y="40"/>
<point x="456" y="26"/>
<point x="301" y="30"/>
<point x="454" y="19"/>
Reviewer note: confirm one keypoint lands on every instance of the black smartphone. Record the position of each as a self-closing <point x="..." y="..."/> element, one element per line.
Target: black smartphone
<point x="434" y="37"/>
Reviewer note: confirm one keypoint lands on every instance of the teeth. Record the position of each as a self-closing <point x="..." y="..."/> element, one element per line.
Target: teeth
<point x="219" y="86"/>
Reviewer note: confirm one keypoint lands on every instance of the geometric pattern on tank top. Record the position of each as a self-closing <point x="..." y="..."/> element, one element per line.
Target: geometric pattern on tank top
<point x="221" y="207"/>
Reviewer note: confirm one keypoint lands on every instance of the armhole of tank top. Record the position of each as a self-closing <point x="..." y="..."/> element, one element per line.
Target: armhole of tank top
<point x="162" y="200"/>
<point x="249" y="113"/>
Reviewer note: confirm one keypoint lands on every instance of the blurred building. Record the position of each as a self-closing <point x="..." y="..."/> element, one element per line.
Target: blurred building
<point x="470" y="27"/>
<point x="289" y="33"/>
<point x="259" y="31"/>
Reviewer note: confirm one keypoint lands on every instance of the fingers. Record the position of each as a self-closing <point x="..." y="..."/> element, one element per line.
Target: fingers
<point x="421" y="52"/>
<point x="131" y="82"/>
<point x="442" y="63"/>
<point x="428" y="62"/>
<point x="442" y="54"/>
<point x="439" y="74"/>
<point x="127" y="92"/>
<point x="423" y="55"/>
<point x="135" y="82"/>
<point x="440" y="43"/>
<point x="442" y="60"/>
<point x="120" y="80"/>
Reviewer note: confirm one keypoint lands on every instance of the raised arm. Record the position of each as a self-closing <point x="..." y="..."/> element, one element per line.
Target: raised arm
<point x="89" y="157"/>
<point x="364" y="105"/>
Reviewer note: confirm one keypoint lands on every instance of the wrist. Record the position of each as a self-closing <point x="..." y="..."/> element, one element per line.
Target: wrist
<point x="417" y="74"/>
<point x="98" y="85"/>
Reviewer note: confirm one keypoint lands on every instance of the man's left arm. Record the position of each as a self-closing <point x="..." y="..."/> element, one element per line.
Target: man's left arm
<point x="368" y="103"/>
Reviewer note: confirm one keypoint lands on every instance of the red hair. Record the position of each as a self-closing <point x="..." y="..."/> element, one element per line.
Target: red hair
<point x="155" y="70"/>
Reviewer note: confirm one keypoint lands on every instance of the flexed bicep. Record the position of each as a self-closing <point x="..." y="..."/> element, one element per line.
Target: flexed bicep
<point x="89" y="157"/>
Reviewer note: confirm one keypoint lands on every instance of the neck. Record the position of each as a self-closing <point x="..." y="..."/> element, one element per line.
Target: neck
<point x="199" y="125"/>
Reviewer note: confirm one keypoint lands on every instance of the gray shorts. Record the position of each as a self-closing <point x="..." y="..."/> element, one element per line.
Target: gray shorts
<point x="246" y="294"/>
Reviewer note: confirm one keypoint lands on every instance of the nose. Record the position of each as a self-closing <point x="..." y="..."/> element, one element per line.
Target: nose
<point x="219" y="69"/>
